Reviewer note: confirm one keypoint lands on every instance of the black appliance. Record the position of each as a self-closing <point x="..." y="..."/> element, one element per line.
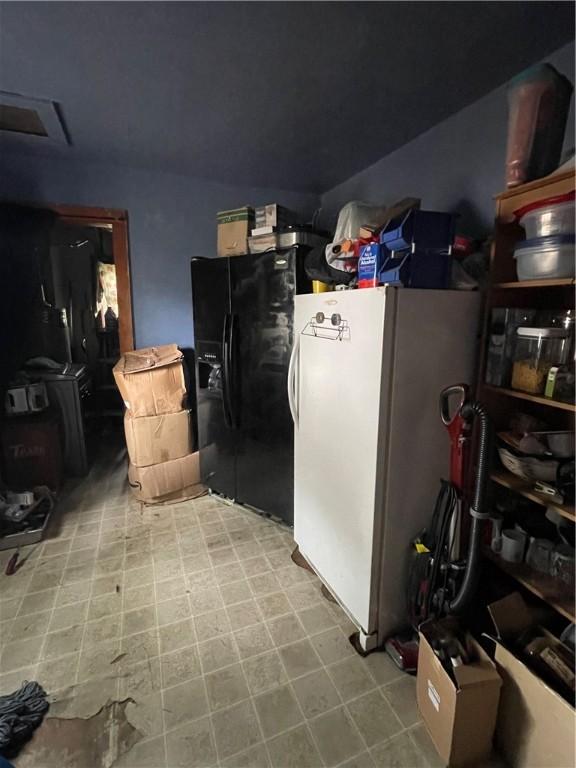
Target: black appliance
<point x="243" y="328"/>
<point x="69" y="391"/>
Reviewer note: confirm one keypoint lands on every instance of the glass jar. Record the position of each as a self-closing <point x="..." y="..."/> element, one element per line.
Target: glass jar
<point x="537" y="350"/>
<point x="563" y="564"/>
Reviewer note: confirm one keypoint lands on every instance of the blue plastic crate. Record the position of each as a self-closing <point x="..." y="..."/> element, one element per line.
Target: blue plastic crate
<point x="421" y="269"/>
<point x="419" y="230"/>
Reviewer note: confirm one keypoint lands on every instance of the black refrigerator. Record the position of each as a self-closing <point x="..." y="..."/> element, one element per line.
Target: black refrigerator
<point x="243" y="331"/>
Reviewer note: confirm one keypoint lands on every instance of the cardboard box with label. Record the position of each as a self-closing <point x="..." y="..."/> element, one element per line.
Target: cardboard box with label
<point x="536" y="726"/>
<point x="460" y="711"/>
<point x="151" y="380"/>
<point x="154" y="439"/>
<point x="158" y="481"/>
<point x="234" y="227"/>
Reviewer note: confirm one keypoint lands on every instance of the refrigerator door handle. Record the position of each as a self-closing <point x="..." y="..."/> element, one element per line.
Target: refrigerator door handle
<point x="232" y="395"/>
<point x="226" y="372"/>
<point x="292" y="401"/>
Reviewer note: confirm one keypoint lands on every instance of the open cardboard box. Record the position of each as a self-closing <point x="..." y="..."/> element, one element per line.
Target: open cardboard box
<point x="536" y="726"/>
<point x="460" y="716"/>
<point x="151" y="380"/>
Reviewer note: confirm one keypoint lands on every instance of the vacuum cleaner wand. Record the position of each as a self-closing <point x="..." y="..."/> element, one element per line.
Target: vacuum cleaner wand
<point x="471" y="411"/>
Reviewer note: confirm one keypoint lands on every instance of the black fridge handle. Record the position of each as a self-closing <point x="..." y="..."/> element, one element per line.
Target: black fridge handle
<point x="226" y="372"/>
<point x="232" y="402"/>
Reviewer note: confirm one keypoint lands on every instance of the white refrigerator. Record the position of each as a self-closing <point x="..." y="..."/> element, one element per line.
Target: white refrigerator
<point x="366" y="372"/>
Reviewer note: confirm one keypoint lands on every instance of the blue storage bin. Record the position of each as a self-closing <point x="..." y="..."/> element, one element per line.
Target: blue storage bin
<point x="419" y="230"/>
<point x="421" y="269"/>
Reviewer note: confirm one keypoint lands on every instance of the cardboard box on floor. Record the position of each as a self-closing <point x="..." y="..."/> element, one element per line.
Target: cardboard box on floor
<point x="154" y="439"/>
<point x="536" y="726"/>
<point x="168" y="479"/>
<point x="461" y="717"/>
<point x="233" y="230"/>
<point x="151" y="380"/>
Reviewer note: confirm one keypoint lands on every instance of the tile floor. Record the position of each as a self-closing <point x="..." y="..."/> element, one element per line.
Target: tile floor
<point x="229" y="652"/>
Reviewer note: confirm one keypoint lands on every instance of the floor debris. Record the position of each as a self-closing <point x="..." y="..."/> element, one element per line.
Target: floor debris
<point x="97" y="741"/>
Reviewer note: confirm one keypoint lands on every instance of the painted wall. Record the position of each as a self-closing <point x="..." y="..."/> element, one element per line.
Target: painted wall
<point x="171" y="219"/>
<point x="456" y="166"/>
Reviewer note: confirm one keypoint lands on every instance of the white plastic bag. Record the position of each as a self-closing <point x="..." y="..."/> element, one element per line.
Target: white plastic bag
<point x="356" y="214"/>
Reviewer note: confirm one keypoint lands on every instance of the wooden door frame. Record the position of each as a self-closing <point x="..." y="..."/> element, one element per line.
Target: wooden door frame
<point x="117" y="220"/>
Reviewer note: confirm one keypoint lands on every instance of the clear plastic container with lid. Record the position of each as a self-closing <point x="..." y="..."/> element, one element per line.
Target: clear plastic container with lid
<point x="537" y="350"/>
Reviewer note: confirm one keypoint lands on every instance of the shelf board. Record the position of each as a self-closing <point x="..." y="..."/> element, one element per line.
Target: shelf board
<point x="560" y="282"/>
<point x="537" y="184"/>
<point x="532" y="398"/>
<point x="525" y="488"/>
<point x="544" y="587"/>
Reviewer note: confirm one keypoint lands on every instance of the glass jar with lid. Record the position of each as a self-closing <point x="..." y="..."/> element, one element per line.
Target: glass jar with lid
<point x="537" y="350"/>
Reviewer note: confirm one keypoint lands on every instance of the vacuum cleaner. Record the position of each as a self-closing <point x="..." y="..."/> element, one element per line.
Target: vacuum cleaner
<point x="443" y="571"/>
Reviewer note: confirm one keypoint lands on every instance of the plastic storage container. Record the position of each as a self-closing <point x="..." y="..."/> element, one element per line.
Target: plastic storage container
<point x="553" y="216"/>
<point x="419" y="230"/>
<point x="537" y="350"/>
<point x="545" y="258"/>
<point x="538" y="102"/>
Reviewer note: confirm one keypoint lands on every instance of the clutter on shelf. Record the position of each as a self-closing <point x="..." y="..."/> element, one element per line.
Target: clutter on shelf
<point x="163" y="465"/>
<point x="521" y="534"/>
<point x="548" y="251"/>
<point x="532" y="351"/>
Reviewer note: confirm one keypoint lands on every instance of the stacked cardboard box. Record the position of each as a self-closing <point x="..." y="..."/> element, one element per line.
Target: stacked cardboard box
<point x="233" y="231"/>
<point x="163" y="466"/>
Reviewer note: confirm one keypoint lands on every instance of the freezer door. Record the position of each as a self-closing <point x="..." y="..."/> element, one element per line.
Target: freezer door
<point x="216" y="435"/>
<point x="341" y="375"/>
<point x="263" y="287"/>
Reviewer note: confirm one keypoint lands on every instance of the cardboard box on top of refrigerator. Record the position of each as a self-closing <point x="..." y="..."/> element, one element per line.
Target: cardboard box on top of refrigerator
<point x="151" y="380"/>
<point x="274" y="215"/>
<point x="154" y="439"/>
<point x="168" y="479"/>
<point x="233" y="230"/>
<point x="460" y="711"/>
<point x="536" y="726"/>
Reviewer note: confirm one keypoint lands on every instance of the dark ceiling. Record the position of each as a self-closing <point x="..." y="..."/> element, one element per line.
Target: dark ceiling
<point x="293" y="95"/>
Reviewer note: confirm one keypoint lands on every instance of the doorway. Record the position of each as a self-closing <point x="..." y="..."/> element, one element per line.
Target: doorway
<point x="115" y="222"/>
<point x="67" y="317"/>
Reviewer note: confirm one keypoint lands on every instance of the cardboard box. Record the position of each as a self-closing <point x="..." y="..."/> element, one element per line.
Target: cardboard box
<point x="274" y="215"/>
<point x="154" y="439"/>
<point x="536" y="726"/>
<point x="160" y="480"/>
<point x="233" y="231"/>
<point x="460" y="717"/>
<point x="151" y="380"/>
<point x="190" y="492"/>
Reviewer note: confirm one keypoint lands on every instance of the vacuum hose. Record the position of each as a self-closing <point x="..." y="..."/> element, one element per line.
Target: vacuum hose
<point x="471" y="411"/>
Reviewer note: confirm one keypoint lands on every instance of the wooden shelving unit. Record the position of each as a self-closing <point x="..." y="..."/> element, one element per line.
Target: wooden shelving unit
<point x="505" y="290"/>
<point x="544" y="587"/>
<point x="559" y="283"/>
<point x="532" y="398"/>
<point x="526" y="489"/>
